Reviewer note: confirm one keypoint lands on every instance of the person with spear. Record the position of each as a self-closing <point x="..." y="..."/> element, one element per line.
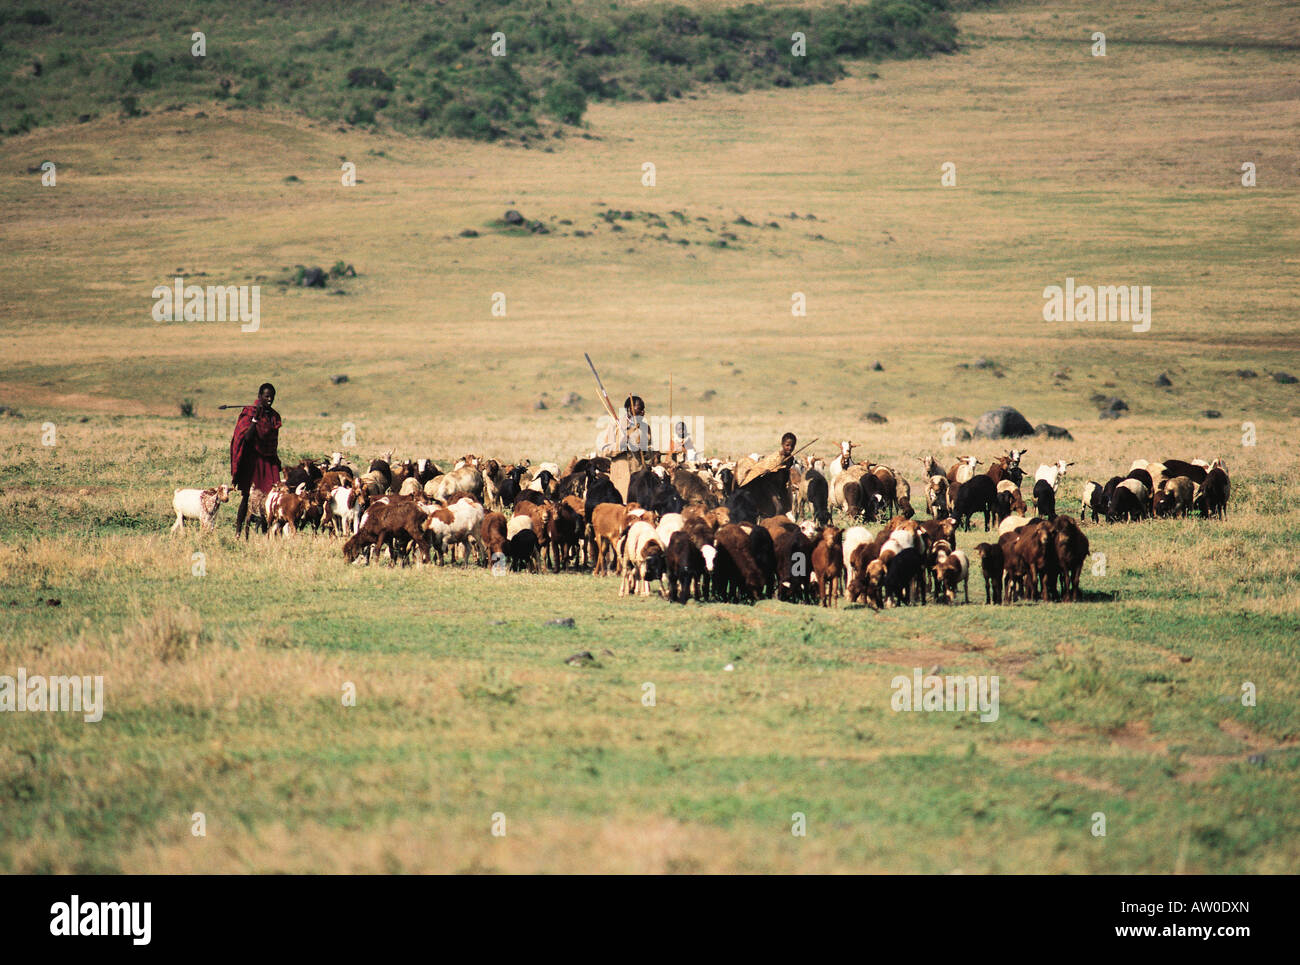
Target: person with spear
<point x="628" y="430"/>
<point x="254" y="449"/>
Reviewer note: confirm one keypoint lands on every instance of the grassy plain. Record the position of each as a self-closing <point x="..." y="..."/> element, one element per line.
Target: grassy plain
<point x="224" y="690"/>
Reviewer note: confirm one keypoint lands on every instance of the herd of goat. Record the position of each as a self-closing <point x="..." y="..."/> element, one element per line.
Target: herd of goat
<point x="697" y="534"/>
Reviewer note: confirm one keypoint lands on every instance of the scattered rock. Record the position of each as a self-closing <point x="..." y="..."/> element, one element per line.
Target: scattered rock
<point x="729" y="667"/>
<point x="875" y="418"/>
<point x="1053" y="432"/>
<point x="538" y="228"/>
<point x="1111" y="402"/>
<point x="570" y="399"/>
<point x="707" y="395"/>
<point x="313" y="278"/>
<point x="1003" y="422"/>
<point x="1109" y="414"/>
<point x="877" y="367"/>
<point x="963" y="436"/>
<point x="560" y="622"/>
<point x="582" y="658"/>
<point x="1163" y="380"/>
<point x="1285" y="378"/>
<point x="53" y="602"/>
<point x="1246" y="374"/>
<point x="513" y="217"/>
<point x="338" y="379"/>
<point x="1061" y="375"/>
<point x="1212" y="414"/>
<point x="10" y="411"/>
<point x="539" y="405"/>
<point x="469" y="233"/>
<point x="955" y="420"/>
<point x="983" y="364"/>
<point x="742" y="220"/>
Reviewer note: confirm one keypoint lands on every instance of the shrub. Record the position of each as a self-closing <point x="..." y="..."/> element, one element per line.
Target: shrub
<point x="565" y="101"/>
<point x="187" y="408"/>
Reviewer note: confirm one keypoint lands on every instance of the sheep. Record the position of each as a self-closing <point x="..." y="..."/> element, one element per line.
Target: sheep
<point x="493" y="534"/>
<point x="991" y="565"/>
<point x="199" y="504"/>
<point x="828" y="565"/>
<point x="854" y="537"/>
<point x="1092" y="500"/>
<point x="963" y="470"/>
<point x="1174" y="497"/>
<point x="1011" y="524"/>
<point x="1045" y="499"/>
<point x="643" y="559"/>
<point x="457" y="523"/>
<point x="685" y="567"/>
<point x="735" y="573"/>
<point x="1009" y="500"/>
<point x="905" y="577"/>
<point x="466" y="479"/>
<point x="397" y="525"/>
<point x="1211" y="498"/>
<point x="794" y="551"/>
<point x="978" y="494"/>
<point x="951" y="570"/>
<point x="936" y="495"/>
<point x="1053" y="474"/>
<point x="1130" y="500"/>
<point x="523" y="552"/>
<point x="1071" y="554"/>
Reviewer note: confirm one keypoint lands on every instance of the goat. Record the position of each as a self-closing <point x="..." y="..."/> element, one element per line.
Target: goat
<point x="199" y="504"/>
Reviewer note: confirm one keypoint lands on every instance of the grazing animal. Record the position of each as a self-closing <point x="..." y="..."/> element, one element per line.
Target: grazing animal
<point x="198" y="504"/>
<point x="963" y="470"/>
<point x="828" y="566"/>
<point x="951" y="570"/>
<point x="685" y="567"/>
<point x="978" y="494"/>
<point x="1174" y="497"/>
<point x="991" y="565"/>
<point x="1009" y="500"/>
<point x="643" y="559"/>
<point x="1052" y="474"/>
<point x="736" y="575"/>
<point x="398" y="524"/>
<point x="1045" y="499"/>
<point x="1092" y="500"/>
<point x="1071" y="553"/>
<point x="1211" y="497"/>
<point x="905" y="577"/>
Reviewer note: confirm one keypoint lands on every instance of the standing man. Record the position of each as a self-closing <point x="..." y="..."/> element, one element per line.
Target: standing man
<point x="254" y="449"/>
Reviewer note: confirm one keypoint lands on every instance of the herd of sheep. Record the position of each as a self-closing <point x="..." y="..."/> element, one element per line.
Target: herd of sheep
<point x="690" y="530"/>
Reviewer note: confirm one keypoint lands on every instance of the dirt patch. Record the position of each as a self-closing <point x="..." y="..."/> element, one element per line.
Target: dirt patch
<point x="1091" y="783"/>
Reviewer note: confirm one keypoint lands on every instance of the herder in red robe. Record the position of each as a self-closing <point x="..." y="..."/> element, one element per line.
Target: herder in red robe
<point x="254" y="456"/>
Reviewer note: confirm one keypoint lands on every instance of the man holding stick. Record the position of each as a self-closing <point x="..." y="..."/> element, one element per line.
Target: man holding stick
<point x="254" y="449"/>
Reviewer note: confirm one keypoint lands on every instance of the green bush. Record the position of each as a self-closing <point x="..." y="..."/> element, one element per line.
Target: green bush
<point x="565" y="101"/>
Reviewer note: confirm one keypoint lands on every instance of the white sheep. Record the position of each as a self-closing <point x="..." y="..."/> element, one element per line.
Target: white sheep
<point x="1052" y="474"/>
<point x="200" y="504"/>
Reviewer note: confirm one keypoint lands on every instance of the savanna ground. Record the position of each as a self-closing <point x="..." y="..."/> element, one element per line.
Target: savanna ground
<point x="223" y="691"/>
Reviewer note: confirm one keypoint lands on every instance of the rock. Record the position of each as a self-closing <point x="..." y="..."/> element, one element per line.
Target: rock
<point x="570" y="399"/>
<point x="338" y="379"/>
<point x="538" y="228"/>
<point x="1061" y="375"/>
<point x="963" y="436"/>
<point x="707" y="395"/>
<point x="877" y="367"/>
<point x="469" y="233"/>
<point x="313" y="278"/>
<point x="1212" y="414"/>
<point x="1284" y="378"/>
<point x="1003" y="422"/>
<point x="1246" y="374"/>
<point x="875" y="418"/>
<point x="1109" y="414"/>
<point x="513" y="217"/>
<point x="10" y="411"/>
<point x="560" y="622"/>
<point x="955" y="420"/>
<point x="982" y="364"/>
<point x="582" y="658"/>
<point x="539" y="405"/>
<point x="1163" y="380"/>
<point x="1112" y="402"/>
<point x="1053" y="432"/>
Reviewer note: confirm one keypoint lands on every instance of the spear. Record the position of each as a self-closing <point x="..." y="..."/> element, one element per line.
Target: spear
<point x="604" y="396"/>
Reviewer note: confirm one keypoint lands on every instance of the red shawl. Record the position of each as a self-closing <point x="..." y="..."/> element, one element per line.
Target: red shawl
<point x="254" y="456"/>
